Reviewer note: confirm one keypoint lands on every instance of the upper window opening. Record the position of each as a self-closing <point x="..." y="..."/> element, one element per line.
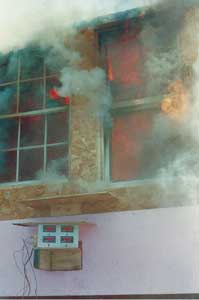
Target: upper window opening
<point x="142" y="66"/>
<point x="124" y="61"/>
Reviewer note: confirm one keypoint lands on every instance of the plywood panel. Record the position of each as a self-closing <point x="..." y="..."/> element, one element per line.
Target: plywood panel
<point x="58" y="259"/>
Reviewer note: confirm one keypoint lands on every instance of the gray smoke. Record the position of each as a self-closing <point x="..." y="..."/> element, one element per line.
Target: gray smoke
<point x="171" y="152"/>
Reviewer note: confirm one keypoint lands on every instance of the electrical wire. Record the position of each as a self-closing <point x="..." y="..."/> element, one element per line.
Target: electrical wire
<point x="20" y="269"/>
<point x="29" y="260"/>
<point x="26" y="260"/>
<point x="32" y="267"/>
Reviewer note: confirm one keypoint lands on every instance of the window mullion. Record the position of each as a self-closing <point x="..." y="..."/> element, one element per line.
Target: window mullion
<point x="45" y="125"/>
<point x="107" y="156"/>
<point x="34" y="112"/>
<point x="18" y="84"/>
<point x="18" y="150"/>
<point x="19" y="122"/>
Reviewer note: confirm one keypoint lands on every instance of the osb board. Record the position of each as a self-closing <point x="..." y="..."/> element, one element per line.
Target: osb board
<point x="84" y="144"/>
<point x="147" y="195"/>
<point x="75" y="204"/>
<point x="58" y="259"/>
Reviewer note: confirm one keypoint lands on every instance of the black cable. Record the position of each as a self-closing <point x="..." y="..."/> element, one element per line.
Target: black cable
<point x="35" y="277"/>
<point x="31" y="265"/>
<point x="26" y="256"/>
<point x="29" y="256"/>
<point x="17" y="265"/>
<point x="26" y="286"/>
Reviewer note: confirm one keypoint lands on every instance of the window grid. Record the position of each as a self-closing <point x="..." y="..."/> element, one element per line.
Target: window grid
<point x="19" y="114"/>
<point x="121" y="108"/>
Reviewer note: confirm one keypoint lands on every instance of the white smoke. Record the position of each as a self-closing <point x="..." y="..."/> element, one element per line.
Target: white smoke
<point x="54" y="170"/>
<point x="90" y="84"/>
<point x="22" y="21"/>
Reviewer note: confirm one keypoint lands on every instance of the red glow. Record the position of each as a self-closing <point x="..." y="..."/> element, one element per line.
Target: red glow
<point x="128" y="135"/>
<point x="34" y="118"/>
<point x="66" y="100"/>
<point x="125" y="61"/>
<point x="55" y="96"/>
<point x="126" y="26"/>
<point x="29" y="119"/>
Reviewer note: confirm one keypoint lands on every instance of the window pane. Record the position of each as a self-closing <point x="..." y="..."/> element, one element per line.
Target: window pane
<point x="32" y="63"/>
<point x="143" y="143"/>
<point x="125" y="63"/>
<point x="7" y="166"/>
<point x="53" y="97"/>
<point x="57" y="127"/>
<point x="128" y="136"/>
<point x="31" y="95"/>
<point x="57" y="164"/>
<point x="8" y="67"/>
<point x="30" y="162"/>
<point x="8" y="133"/>
<point x="32" y="130"/>
<point x="8" y="99"/>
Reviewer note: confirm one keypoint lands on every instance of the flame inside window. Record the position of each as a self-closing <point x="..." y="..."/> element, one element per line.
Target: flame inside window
<point x="124" y="55"/>
<point x="176" y="103"/>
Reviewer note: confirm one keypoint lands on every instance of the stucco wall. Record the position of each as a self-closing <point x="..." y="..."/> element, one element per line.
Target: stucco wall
<point x="153" y="251"/>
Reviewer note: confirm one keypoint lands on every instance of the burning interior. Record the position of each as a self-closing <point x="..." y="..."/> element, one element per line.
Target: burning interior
<point x="107" y="104"/>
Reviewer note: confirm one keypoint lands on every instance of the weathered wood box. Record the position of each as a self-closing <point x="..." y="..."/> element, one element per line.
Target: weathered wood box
<point x="58" y="259"/>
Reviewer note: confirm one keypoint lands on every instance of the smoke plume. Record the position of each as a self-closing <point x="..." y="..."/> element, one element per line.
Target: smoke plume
<point x="22" y="22"/>
<point x="171" y="150"/>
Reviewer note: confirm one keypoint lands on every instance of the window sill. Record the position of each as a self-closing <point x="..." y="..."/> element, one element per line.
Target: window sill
<point x="20" y="202"/>
<point x="123" y="196"/>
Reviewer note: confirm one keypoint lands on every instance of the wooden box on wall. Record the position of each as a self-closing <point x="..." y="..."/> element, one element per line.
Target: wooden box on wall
<point x="58" y="259"/>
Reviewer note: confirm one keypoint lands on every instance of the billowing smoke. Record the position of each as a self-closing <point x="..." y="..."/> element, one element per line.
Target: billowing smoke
<point x="22" y="22"/>
<point x="90" y="84"/>
<point x="171" y="150"/>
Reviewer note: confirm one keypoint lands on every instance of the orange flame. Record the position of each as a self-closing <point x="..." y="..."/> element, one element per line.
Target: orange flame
<point x="176" y="103"/>
<point x="110" y="69"/>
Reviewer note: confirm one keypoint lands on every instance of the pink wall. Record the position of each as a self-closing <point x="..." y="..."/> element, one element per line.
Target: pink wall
<point x="153" y="251"/>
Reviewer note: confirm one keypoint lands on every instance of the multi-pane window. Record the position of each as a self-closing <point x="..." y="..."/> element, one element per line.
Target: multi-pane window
<point x="139" y="67"/>
<point x="33" y="118"/>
